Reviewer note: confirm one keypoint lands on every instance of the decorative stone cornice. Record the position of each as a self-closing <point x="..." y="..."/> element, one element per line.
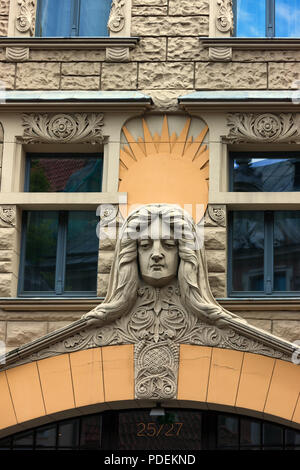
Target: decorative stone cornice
<point x="63" y="128"/>
<point x="25" y="19"/>
<point x="266" y="127"/>
<point x="116" y="20"/>
<point x="224" y="19"/>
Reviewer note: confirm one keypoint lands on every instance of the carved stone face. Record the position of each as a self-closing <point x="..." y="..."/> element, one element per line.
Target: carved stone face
<point x="158" y="260"/>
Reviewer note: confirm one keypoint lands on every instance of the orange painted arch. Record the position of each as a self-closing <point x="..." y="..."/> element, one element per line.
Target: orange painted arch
<point x="98" y="379"/>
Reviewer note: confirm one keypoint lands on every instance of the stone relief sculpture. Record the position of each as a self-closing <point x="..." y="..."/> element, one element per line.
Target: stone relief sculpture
<point x="26" y="16"/>
<point x="266" y="127"/>
<point x="63" y="128"/>
<point x="116" y="20"/>
<point x="224" y="20"/>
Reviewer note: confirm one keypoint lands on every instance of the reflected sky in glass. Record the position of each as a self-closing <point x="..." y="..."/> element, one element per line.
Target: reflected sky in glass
<point x="287" y="18"/>
<point x="250" y="21"/>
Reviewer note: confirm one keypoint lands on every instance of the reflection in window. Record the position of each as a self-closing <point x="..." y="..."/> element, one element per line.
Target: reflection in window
<point x="75" y="18"/>
<point x="265" y="173"/>
<point x="64" y="173"/>
<point x="248" y="251"/>
<point x="59" y="252"/>
<point x="260" y="18"/>
<point x="265" y="252"/>
<point x="250" y="18"/>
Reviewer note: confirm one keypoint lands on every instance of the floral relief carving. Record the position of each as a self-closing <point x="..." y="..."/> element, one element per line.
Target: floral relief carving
<point x="25" y="19"/>
<point x="63" y="128"/>
<point x="116" y="20"/>
<point x="217" y="214"/>
<point x="224" y="19"/>
<point x="267" y="127"/>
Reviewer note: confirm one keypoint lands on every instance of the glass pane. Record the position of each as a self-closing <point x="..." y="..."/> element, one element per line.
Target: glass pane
<point x="40" y="251"/>
<point x="272" y="435"/>
<point x="46" y="436"/>
<point x="250" y="20"/>
<point x="287" y="18"/>
<point x="93" y="17"/>
<point x="24" y="441"/>
<point x="250" y="432"/>
<point x="228" y="432"/>
<point x="68" y="434"/>
<point x="90" y="436"/>
<point x="248" y="251"/>
<point x="49" y="23"/>
<point x="5" y="444"/>
<point x="82" y="252"/>
<point x="292" y="438"/>
<point x="287" y="251"/>
<point x="273" y="174"/>
<point x="65" y="174"/>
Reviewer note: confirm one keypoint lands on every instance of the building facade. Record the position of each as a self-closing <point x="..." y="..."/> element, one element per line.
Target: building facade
<point x="162" y="101"/>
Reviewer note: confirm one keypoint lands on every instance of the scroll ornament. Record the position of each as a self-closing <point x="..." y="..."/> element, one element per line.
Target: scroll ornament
<point x="63" y="128"/>
<point x="25" y="19"/>
<point x="265" y="127"/>
<point x="224" y="19"/>
<point x="116" y="20"/>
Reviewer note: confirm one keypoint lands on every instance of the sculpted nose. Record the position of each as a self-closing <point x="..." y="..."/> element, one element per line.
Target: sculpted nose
<point x="157" y="257"/>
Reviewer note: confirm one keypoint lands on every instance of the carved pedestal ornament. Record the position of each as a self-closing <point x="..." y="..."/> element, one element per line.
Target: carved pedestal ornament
<point x="116" y="20"/>
<point x="224" y="19"/>
<point x="267" y="127"/>
<point x="158" y="298"/>
<point x="63" y="128"/>
<point x="25" y="19"/>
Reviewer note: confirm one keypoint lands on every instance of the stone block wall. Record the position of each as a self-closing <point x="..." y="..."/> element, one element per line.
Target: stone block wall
<point x="4" y="10"/>
<point x="168" y="61"/>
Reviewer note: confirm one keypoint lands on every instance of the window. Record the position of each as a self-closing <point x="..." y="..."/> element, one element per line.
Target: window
<point x="59" y="253"/>
<point x="72" y="18"/>
<point x="264" y="253"/>
<point x="178" y="429"/>
<point x="267" y="18"/>
<point x="63" y="173"/>
<point x="264" y="171"/>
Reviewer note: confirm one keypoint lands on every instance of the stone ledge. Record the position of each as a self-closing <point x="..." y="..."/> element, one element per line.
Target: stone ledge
<point x="69" y="43"/>
<point x="252" y="43"/>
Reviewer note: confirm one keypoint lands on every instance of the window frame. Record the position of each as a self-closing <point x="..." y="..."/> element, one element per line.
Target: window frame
<point x="268" y="259"/>
<point x="60" y="267"/>
<point x="36" y="155"/>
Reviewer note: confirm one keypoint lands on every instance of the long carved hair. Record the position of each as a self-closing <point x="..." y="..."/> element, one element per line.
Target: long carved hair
<point x="124" y="279"/>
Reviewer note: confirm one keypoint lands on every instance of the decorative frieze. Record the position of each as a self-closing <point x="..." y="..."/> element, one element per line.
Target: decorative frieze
<point x="224" y="19"/>
<point x="266" y="127"/>
<point x="25" y="19"/>
<point x="63" y="128"/>
<point x="116" y="20"/>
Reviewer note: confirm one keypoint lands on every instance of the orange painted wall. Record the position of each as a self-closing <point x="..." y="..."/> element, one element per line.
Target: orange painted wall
<point x="52" y="388"/>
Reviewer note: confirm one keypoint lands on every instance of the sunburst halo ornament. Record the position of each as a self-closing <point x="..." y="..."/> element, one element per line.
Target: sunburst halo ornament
<point x="166" y="169"/>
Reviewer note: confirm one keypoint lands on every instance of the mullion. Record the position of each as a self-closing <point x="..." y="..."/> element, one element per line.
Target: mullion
<point x="75" y="17"/>
<point x="61" y="253"/>
<point x="270" y="18"/>
<point x="268" y="253"/>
